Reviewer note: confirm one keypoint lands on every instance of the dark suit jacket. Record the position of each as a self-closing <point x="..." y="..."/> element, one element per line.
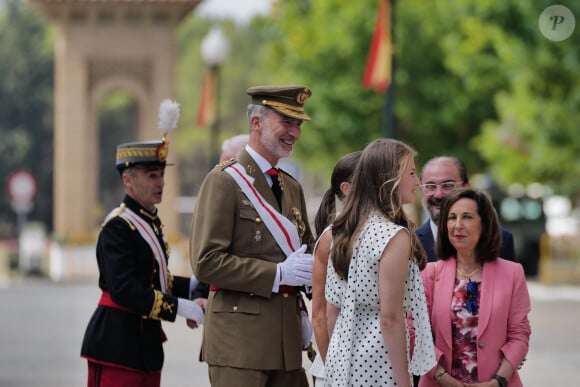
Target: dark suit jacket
<point x="426" y="237"/>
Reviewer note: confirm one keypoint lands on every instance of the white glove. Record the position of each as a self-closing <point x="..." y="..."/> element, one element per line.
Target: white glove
<point x="190" y="310"/>
<point x="296" y="270"/>
<point x="306" y="329"/>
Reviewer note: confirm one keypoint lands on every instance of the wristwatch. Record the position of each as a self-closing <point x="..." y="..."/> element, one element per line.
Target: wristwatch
<point x="501" y="380"/>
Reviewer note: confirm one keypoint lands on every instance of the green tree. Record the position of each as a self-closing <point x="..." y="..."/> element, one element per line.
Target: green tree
<point x="240" y="70"/>
<point x="324" y="45"/>
<point x="434" y="111"/>
<point x="26" y="74"/>
<point x="534" y="137"/>
<point x="474" y="79"/>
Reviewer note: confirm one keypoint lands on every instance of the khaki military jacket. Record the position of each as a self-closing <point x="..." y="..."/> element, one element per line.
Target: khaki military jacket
<point x="246" y="325"/>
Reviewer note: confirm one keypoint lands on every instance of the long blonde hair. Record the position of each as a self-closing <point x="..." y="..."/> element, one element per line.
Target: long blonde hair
<point x="375" y="187"/>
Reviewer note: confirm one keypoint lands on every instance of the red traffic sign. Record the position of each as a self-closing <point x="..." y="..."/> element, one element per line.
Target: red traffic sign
<point x="22" y="187"/>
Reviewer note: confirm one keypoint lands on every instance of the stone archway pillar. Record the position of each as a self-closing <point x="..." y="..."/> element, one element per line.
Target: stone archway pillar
<point x="124" y="45"/>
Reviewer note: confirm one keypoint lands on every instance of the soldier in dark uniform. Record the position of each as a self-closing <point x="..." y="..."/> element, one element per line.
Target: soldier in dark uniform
<point x="123" y="340"/>
<point x="248" y="240"/>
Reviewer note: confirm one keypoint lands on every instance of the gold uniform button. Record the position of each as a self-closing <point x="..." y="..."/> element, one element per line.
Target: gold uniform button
<point x="235" y="308"/>
<point x="481" y="345"/>
<point x="258" y="220"/>
<point x="285" y="295"/>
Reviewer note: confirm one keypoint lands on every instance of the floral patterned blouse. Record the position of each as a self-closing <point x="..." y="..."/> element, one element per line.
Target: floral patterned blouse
<point x="464" y="334"/>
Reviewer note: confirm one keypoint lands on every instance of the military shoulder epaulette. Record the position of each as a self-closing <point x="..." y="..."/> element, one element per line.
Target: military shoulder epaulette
<point x="119" y="214"/>
<point x="287" y="174"/>
<point x="131" y="225"/>
<point x="226" y="163"/>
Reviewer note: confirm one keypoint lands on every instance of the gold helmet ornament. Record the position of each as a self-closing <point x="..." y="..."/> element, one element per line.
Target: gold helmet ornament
<point x="150" y="153"/>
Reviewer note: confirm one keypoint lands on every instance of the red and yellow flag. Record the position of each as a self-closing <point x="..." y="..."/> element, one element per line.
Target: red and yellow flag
<point x="379" y="61"/>
<point x="207" y="105"/>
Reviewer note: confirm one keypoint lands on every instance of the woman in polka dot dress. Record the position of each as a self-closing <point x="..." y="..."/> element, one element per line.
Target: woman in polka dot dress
<point x="373" y="277"/>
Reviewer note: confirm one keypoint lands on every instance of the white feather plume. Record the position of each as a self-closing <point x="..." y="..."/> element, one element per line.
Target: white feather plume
<point x="168" y="114"/>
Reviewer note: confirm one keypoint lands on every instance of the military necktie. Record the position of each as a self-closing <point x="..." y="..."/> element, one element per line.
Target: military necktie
<point x="273" y="172"/>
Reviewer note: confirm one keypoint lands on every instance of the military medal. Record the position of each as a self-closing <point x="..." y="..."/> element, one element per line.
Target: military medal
<point x="281" y="182"/>
<point x="298" y="221"/>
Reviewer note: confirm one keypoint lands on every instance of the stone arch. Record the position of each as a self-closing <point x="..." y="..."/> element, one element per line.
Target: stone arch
<point x="101" y="46"/>
<point x="109" y="190"/>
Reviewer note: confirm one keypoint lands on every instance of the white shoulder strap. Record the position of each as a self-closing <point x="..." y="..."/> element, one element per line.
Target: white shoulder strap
<point x="283" y="230"/>
<point x="149" y="236"/>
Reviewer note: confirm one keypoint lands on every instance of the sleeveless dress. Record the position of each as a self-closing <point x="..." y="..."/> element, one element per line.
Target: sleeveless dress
<point x="317" y="367"/>
<point x="357" y="355"/>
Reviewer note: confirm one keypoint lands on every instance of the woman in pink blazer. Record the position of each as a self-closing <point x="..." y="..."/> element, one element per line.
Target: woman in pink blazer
<point x="478" y="302"/>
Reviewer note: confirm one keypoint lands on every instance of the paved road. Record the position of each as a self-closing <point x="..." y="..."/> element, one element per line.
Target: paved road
<point x="42" y="325"/>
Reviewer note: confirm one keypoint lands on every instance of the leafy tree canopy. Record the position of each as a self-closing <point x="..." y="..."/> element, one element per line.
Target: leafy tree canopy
<point x="473" y="79"/>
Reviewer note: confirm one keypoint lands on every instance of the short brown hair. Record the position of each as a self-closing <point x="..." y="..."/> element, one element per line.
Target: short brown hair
<point x="489" y="244"/>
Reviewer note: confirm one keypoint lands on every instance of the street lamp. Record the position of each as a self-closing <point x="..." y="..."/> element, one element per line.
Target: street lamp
<point x="214" y="50"/>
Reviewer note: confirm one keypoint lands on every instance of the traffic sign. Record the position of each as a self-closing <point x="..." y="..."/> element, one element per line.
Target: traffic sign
<point x="22" y="188"/>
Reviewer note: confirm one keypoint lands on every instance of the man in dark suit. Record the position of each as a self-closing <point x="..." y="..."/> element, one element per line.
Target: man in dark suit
<point x="439" y="176"/>
<point x="248" y="227"/>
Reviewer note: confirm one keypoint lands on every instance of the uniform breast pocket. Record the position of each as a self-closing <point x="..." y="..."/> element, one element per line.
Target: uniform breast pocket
<point x="251" y="232"/>
<point x="235" y="302"/>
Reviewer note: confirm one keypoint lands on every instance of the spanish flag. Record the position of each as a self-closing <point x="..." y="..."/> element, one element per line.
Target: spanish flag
<point x="207" y="103"/>
<point x="379" y="61"/>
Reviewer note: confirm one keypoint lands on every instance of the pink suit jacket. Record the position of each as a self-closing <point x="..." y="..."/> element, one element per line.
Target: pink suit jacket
<point x="503" y="326"/>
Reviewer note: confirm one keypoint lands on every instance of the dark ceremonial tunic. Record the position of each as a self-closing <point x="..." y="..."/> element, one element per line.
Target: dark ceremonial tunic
<point x="130" y="335"/>
<point x="246" y="326"/>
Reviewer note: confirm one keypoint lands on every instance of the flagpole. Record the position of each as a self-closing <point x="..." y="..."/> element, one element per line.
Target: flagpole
<point x="389" y="119"/>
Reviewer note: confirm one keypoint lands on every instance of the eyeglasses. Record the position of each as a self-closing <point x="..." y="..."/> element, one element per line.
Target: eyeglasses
<point x="471" y="293"/>
<point x="431" y="188"/>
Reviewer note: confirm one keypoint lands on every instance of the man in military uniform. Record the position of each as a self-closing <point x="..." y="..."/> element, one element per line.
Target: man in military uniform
<point x="123" y="340"/>
<point x="248" y="240"/>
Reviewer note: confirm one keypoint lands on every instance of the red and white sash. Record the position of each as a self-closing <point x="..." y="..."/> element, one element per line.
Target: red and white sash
<point x="283" y="230"/>
<point x="150" y="237"/>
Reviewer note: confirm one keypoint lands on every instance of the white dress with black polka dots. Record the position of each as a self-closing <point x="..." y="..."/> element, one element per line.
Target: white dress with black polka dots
<point x="357" y="355"/>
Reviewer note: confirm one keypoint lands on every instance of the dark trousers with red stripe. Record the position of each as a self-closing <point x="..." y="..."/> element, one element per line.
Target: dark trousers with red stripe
<point x="101" y="375"/>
